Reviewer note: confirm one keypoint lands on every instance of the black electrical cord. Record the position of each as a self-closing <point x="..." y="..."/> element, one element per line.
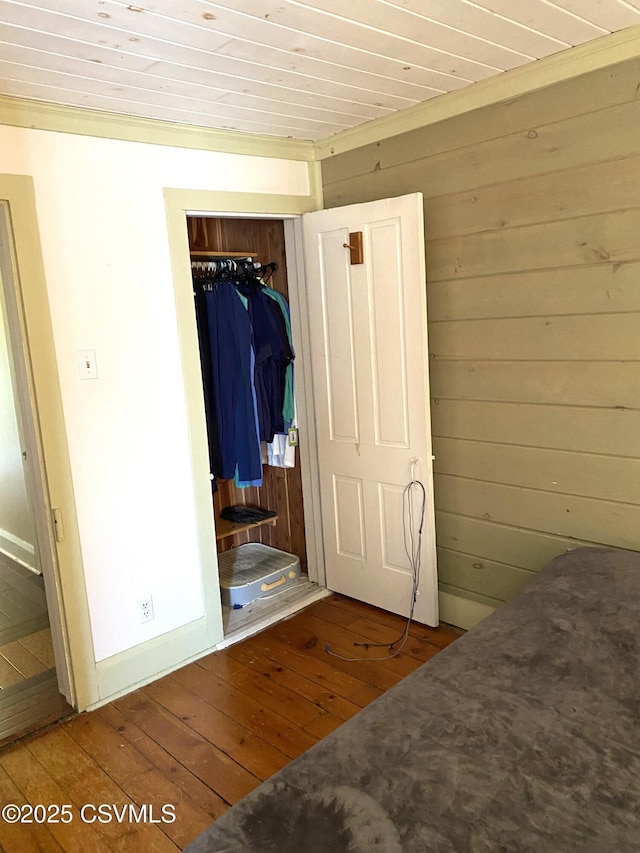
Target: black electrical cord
<point x="413" y="550"/>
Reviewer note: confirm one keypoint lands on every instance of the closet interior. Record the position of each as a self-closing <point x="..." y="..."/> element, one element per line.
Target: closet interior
<point x="213" y="242"/>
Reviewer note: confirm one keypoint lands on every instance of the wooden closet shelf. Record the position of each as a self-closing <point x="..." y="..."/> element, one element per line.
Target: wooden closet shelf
<point x="226" y="528"/>
<point x="202" y="254"/>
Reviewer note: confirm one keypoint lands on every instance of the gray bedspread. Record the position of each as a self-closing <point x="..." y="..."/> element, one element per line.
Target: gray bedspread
<point x="520" y="736"/>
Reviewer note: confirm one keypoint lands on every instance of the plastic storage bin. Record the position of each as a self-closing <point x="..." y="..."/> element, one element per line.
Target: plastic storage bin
<point x="254" y="571"/>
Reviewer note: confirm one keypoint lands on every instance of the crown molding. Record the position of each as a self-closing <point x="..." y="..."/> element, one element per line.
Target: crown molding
<point x="41" y="115"/>
<point x="573" y="62"/>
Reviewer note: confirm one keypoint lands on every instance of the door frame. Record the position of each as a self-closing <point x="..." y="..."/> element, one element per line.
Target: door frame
<point x="30" y="349"/>
<point x="179" y="204"/>
<point x="13" y="338"/>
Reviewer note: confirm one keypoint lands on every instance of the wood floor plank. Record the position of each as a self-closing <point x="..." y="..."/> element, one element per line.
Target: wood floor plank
<point x="8" y="674"/>
<point x="299" y="684"/>
<point x="358" y="628"/>
<point x="441" y="636"/>
<point x="262" y="721"/>
<point x="5" y="619"/>
<point x="29" y="585"/>
<point x="26" y="838"/>
<point x="204" y="736"/>
<point x="104" y="746"/>
<point x="190" y="786"/>
<point x="415" y="647"/>
<point x="315" y="635"/>
<point x="362" y="639"/>
<point x="240" y="744"/>
<point x="40" y="647"/>
<point x="15" y="629"/>
<point x="261" y="687"/>
<point x="16" y="608"/>
<point x="151" y="787"/>
<point x="318" y="669"/>
<point x="324" y="725"/>
<point x="31" y="705"/>
<point x="23" y="604"/>
<point x="138" y="777"/>
<point x="223" y="775"/>
<point x="83" y="781"/>
<point x="338" y="615"/>
<point x="21" y="659"/>
<point x="38" y="786"/>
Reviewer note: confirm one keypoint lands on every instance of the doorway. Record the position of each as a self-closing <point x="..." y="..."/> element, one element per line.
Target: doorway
<point x="213" y="239"/>
<point x="29" y="692"/>
<point x="180" y="206"/>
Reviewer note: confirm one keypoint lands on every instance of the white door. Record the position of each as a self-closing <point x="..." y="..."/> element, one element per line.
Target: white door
<point x="368" y="330"/>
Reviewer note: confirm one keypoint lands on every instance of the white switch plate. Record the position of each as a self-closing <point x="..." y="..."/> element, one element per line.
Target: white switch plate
<point x="87" y="364"/>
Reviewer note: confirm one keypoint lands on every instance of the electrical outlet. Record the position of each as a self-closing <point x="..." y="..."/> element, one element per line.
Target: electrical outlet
<point x="145" y="606"/>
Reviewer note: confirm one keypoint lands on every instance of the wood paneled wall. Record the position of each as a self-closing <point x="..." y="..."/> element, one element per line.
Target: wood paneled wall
<point x="281" y="488"/>
<point x="532" y="223"/>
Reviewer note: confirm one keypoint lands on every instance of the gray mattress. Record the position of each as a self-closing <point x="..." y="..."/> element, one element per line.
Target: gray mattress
<point x="520" y="736"/>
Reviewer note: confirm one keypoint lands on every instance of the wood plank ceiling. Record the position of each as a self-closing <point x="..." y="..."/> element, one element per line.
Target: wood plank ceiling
<point x="289" y="68"/>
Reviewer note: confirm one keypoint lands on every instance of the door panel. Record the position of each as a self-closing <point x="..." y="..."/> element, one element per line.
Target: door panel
<point x="349" y="517"/>
<point x="339" y="334"/>
<point x="368" y="334"/>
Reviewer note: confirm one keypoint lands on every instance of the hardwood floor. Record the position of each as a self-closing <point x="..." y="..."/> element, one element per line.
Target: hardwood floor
<point x="23" y="606"/>
<point x="201" y="738"/>
<point x="29" y="695"/>
<point x="25" y="657"/>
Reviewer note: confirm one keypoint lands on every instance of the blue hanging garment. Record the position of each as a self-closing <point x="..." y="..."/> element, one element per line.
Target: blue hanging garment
<point x="225" y="345"/>
<point x="247" y="357"/>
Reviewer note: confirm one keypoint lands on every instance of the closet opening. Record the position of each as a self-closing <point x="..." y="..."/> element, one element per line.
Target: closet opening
<point x="237" y="263"/>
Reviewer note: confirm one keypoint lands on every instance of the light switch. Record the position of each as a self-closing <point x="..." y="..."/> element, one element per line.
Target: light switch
<point x="87" y="364"/>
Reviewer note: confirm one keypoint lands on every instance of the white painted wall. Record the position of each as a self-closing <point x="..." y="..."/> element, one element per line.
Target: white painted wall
<point x="104" y="239"/>
<point x="17" y="532"/>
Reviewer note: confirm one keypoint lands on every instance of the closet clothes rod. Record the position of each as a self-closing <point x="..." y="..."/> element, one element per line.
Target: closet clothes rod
<point x="242" y="266"/>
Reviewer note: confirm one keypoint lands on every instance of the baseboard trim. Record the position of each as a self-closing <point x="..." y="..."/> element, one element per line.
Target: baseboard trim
<point x="127" y="671"/>
<point x="123" y="673"/>
<point x="462" y="612"/>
